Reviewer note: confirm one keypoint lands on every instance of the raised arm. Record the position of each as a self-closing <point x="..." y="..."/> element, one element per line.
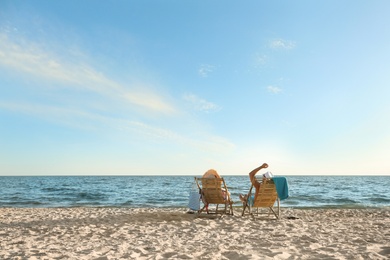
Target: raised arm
<point x="253" y="173"/>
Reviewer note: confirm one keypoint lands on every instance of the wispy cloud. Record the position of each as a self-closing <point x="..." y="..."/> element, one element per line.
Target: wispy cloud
<point x="70" y="117"/>
<point x="205" y="70"/>
<point x="29" y="59"/>
<point x="261" y="59"/>
<point x="151" y="101"/>
<point x="110" y="104"/>
<point x="201" y="104"/>
<point x="95" y="122"/>
<point x="274" y="89"/>
<point x="205" y="143"/>
<point x="282" y="44"/>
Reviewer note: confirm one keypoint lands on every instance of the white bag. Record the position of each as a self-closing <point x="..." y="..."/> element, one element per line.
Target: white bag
<point x="194" y="198"/>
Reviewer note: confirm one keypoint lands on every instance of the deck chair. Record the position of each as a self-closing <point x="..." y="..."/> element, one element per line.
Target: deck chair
<point x="214" y="192"/>
<point x="264" y="203"/>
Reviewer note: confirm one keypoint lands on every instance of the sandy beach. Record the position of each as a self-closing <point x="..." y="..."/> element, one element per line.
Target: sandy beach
<point x="128" y="233"/>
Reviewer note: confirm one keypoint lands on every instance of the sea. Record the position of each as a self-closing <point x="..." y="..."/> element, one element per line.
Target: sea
<point x="173" y="191"/>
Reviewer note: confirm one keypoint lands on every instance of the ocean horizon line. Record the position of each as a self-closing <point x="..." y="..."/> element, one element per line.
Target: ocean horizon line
<point x="163" y="190"/>
<point x="189" y="175"/>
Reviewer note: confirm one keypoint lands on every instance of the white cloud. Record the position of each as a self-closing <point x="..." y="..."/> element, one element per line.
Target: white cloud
<point x="282" y="44"/>
<point x="274" y="89"/>
<point x="150" y="100"/>
<point x="205" y="70"/>
<point x="29" y="59"/>
<point x="110" y="103"/>
<point x="203" y="143"/>
<point x="201" y="104"/>
<point x="261" y="59"/>
<point x="71" y="117"/>
<point x="90" y="121"/>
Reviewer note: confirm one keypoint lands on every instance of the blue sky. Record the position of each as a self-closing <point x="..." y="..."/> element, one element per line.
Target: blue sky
<point x="178" y="87"/>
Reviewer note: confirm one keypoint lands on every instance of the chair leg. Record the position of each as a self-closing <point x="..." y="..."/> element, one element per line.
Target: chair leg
<point x="276" y="211"/>
<point x="244" y="208"/>
<point x="200" y="211"/>
<point x="271" y="210"/>
<point x="248" y="208"/>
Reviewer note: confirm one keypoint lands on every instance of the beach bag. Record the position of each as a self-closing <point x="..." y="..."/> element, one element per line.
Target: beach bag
<point x="194" y="198"/>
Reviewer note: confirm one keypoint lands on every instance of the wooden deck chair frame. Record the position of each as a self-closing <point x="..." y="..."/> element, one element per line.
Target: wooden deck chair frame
<point x="264" y="202"/>
<point x="214" y="191"/>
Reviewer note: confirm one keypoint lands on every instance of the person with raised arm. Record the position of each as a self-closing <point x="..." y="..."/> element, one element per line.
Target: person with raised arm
<point x="254" y="181"/>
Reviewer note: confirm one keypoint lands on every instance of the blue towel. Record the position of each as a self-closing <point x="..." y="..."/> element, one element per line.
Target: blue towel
<point x="281" y="187"/>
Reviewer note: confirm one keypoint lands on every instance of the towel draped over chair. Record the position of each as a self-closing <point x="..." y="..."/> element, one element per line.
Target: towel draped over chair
<point x="268" y="197"/>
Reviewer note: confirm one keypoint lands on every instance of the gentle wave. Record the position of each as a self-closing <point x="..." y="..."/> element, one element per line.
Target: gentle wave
<point x="172" y="191"/>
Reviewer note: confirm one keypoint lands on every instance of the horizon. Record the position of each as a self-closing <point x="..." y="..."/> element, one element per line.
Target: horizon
<point x="170" y="87"/>
<point x="188" y="175"/>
